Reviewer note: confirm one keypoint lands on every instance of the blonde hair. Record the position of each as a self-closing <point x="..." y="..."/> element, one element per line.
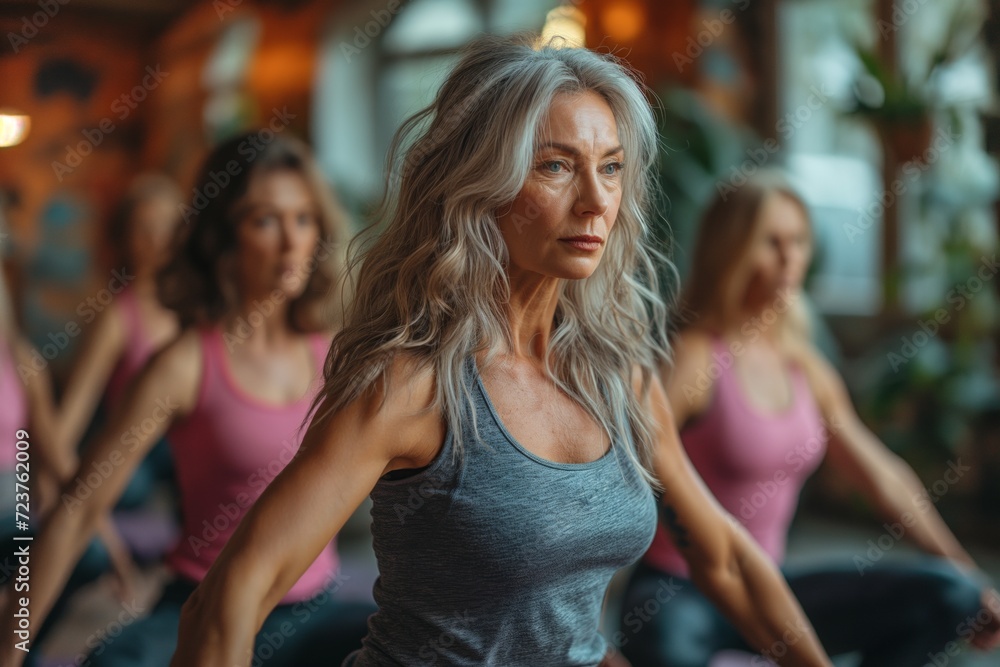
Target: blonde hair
<point x="433" y="284"/>
<point x="717" y="280"/>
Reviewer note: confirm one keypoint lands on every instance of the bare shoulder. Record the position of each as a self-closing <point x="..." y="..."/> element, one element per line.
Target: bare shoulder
<point x="688" y="385"/>
<point x="400" y="413"/>
<point x="176" y="369"/>
<point x="110" y="325"/>
<point x="692" y="347"/>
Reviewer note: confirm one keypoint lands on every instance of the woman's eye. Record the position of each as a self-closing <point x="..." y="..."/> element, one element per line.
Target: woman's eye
<point x="305" y="219"/>
<point x="265" y="220"/>
<point x="613" y="168"/>
<point x="554" y="167"/>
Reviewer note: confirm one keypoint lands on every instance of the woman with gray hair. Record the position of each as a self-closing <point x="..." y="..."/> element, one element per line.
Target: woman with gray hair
<point x="494" y="389"/>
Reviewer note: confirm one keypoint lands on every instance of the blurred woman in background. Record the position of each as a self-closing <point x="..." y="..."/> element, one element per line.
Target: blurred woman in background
<point x="249" y="282"/>
<point x="759" y="409"/>
<point x="132" y="327"/>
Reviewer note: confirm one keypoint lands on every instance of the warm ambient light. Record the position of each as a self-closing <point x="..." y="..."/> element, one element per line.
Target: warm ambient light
<point x="564" y="24"/>
<point x="623" y="21"/>
<point x="13" y="128"/>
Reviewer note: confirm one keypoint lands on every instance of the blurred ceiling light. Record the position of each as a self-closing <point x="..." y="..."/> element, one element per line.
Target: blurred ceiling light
<point x="564" y="24"/>
<point x="14" y="127"/>
<point x="623" y="21"/>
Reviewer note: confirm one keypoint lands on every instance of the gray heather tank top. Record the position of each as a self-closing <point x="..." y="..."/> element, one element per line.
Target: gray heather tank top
<point x="502" y="558"/>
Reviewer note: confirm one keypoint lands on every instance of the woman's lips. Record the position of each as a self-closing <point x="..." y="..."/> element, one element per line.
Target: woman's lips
<point x="587" y="243"/>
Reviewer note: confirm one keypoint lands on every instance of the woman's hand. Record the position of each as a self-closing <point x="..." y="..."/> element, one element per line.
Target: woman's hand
<point x="122" y="566"/>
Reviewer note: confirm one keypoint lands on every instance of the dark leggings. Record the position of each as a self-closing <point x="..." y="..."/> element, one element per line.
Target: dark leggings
<point x="319" y="632"/>
<point x="894" y="615"/>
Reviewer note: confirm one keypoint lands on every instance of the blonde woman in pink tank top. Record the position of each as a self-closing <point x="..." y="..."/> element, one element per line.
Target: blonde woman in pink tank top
<point x="759" y="409"/>
<point x="249" y="281"/>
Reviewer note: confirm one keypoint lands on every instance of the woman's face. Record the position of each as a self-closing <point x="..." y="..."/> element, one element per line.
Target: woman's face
<point x="779" y="251"/>
<point x="277" y="234"/>
<point x="151" y="232"/>
<point x="558" y="224"/>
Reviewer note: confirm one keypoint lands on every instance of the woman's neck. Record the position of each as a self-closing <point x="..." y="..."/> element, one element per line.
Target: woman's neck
<point x="530" y="311"/>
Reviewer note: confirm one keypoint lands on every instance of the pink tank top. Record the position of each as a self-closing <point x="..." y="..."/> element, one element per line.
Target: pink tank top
<point x="226" y="452"/>
<point x="13" y="408"/>
<point x="138" y="348"/>
<point x="753" y="462"/>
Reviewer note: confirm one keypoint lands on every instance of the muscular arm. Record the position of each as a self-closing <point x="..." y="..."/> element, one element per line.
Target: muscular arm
<point x="169" y="380"/>
<point x="339" y="462"/>
<point x="858" y="456"/>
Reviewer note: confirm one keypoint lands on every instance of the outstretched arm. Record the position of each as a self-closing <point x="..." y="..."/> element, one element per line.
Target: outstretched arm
<point x="886" y="480"/>
<point x="724" y="561"/>
<point x="858" y="456"/>
<point x="166" y="389"/>
<point x="341" y="459"/>
<point x="101" y="349"/>
<point x="57" y="465"/>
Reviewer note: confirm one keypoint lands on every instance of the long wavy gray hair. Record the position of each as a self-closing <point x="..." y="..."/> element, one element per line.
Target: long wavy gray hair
<point x="431" y="281"/>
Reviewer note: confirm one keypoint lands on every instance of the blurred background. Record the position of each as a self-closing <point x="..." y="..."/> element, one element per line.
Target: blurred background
<point x="884" y="113"/>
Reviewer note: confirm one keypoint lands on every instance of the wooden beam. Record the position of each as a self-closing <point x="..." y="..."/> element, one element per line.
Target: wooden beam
<point x="891" y="279"/>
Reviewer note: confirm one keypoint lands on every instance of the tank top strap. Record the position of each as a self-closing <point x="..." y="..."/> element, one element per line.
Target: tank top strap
<point x="212" y="341"/>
